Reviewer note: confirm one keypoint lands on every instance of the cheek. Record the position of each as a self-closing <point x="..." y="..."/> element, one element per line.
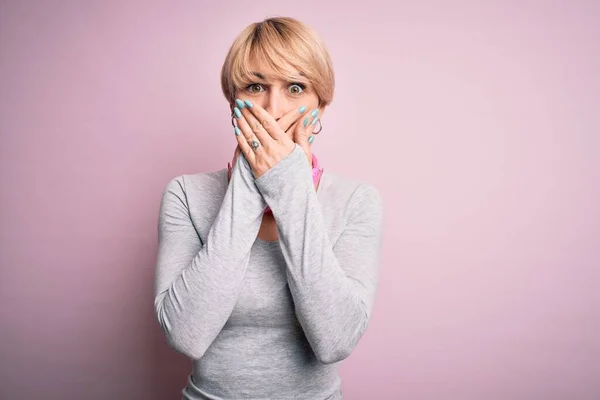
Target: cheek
<point x="313" y="101"/>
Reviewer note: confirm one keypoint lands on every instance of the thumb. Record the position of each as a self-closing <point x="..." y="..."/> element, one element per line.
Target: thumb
<point x="301" y="138"/>
<point x="300" y="134"/>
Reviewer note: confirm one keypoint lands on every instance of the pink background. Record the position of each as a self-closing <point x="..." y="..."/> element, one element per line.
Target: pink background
<point x="478" y="121"/>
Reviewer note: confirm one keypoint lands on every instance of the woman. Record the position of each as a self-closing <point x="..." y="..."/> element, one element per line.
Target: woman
<point x="266" y="274"/>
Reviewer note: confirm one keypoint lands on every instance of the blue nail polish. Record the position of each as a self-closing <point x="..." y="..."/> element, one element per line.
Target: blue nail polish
<point x="248" y="103"/>
<point x="315" y="121"/>
<point x="237" y="112"/>
<point x="311" y="138"/>
<point x="239" y="103"/>
<point x="302" y="109"/>
<point x="237" y="131"/>
<point x="314" y="113"/>
<point x="305" y="123"/>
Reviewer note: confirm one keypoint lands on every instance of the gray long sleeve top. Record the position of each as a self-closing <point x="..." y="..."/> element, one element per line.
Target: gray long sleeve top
<point x="259" y="319"/>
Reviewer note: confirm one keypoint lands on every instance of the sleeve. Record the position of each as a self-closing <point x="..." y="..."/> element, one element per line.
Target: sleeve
<point x="333" y="284"/>
<point x="197" y="284"/>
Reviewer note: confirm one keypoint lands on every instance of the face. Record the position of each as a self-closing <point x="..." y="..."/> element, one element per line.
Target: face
<point x="278" y="97"/>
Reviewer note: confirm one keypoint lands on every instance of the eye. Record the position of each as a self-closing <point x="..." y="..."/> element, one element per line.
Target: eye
<point x="255" y="88"/>
<point x="296" y="88"/>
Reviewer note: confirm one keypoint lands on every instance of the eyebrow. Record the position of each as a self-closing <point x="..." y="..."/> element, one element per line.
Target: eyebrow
<point x="262" y="77"/>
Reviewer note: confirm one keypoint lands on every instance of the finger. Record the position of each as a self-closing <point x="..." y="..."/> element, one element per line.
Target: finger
<point x="245" y="135"/>
<point x="291" y="117"/>
<point x="300" y="137"/>
<point x="311" y="119"/>
<point x="299" y="134"/>
<point x="248" y="130"/>
<point x="244" y="147"/>
<point x="293" y="129"/>
<point x="267" y="123"/>
<point x="309" y="124"/>
<point x="252" y="128"/>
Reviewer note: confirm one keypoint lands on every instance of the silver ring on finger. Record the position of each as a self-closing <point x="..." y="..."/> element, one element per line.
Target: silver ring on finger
<point x="255" y="144"/>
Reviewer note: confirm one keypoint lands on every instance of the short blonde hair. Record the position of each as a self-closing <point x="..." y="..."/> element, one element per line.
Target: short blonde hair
<point x="278" y="42"/>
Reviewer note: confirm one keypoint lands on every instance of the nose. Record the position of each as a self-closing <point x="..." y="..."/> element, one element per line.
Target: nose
<point x="275" y="104"/>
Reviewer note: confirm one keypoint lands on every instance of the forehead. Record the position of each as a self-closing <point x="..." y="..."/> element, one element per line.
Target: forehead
<point x="266" y="71"/>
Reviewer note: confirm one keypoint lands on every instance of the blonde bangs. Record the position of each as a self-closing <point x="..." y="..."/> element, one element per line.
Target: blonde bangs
<point x="286" y="47"/>
<point x="261" y="53"/>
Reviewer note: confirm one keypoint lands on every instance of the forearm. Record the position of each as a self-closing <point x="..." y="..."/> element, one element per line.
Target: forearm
<point x="333" y="286"/>
<point x="331" y="307"/>
<point x="198" y="283"/>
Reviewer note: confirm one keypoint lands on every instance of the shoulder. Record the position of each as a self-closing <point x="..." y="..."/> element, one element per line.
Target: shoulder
<point x="350" y="193"/>
<point x="197" y="187"/>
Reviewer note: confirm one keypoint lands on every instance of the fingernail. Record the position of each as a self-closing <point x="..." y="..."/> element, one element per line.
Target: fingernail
<point x="237" y="112"/>
<point x="315" y="121"/>
<point x="248" y="103"/>
<point x="237" y="131"/>
<point x="302" y="109"/>
<point x="311" y="138"/>
<point x="314" y="113"/>
<point x="239" y="103"/>
<point x="305" y="121"/>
